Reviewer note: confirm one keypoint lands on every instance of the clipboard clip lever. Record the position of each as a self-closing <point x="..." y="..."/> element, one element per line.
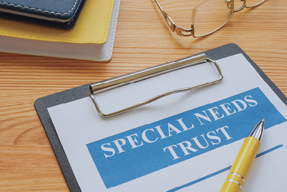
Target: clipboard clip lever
<point x="148" y="73"/>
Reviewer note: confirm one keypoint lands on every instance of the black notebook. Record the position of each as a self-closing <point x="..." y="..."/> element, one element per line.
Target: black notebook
<point x="61" y="14"/>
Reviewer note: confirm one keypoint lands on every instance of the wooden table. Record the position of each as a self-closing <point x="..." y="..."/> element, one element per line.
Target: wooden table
<point x="27" y="161"/>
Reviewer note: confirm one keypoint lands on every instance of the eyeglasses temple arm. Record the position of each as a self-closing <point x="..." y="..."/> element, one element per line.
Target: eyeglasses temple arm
<point x="179" y="30"/>
<point x="168" y="19"/>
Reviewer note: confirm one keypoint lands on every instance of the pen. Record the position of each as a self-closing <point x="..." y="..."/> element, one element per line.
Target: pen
<point x="244" y="160"/>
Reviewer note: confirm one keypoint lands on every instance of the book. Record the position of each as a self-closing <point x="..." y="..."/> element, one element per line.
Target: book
<point x="183" y="142"/>
<point x="50" y="12"/>
<point x="92" y="37"/>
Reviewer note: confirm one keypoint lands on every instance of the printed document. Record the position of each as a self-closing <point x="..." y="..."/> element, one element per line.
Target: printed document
<point x="183" y="142"/>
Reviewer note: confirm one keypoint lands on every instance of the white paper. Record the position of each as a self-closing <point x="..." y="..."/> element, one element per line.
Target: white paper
<point x="77" y="124"/>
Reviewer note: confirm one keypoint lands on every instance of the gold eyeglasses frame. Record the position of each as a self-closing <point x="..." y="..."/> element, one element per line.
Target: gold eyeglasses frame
<point x="190" y="32"/>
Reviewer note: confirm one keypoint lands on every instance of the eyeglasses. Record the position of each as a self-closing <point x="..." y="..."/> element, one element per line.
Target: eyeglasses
<point x="209" y="16"/>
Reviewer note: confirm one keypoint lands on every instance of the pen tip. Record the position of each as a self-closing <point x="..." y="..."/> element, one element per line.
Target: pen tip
<point x="258" y="130"/>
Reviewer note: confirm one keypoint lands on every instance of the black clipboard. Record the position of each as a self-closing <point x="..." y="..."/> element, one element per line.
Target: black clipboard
<point x="42" y="104"/>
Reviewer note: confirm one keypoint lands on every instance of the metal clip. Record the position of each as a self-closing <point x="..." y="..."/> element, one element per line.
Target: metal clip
<point x="148" y="73"/>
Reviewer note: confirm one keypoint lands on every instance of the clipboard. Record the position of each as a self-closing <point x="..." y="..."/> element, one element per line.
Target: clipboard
<point x="42" y="104"/>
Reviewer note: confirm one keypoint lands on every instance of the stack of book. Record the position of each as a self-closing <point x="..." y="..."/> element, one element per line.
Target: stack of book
<point x="92" y="37"/>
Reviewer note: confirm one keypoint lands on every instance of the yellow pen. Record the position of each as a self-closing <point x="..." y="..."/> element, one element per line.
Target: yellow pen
<point x="244" y="160"/>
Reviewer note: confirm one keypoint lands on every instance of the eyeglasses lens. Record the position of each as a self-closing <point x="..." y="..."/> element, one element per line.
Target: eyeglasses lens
<point x="211" y="15"/>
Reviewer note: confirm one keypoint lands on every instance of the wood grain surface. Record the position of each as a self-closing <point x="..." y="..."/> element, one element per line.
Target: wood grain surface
<point x="27" y="161"/>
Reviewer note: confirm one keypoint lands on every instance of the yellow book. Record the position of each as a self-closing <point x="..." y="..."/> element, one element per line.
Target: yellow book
<point x="92" y="38"/>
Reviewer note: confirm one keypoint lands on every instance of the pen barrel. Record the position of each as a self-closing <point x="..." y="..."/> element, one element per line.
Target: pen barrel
<point x="241" y="166"/>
